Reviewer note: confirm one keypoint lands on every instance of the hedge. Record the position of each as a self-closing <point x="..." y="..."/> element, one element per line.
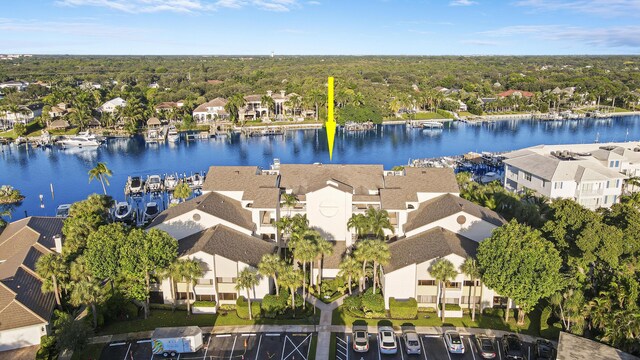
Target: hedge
<point x="405" y="309"/>
<point x="204" y="304"/>
<point x="242" y="308"/>
<point x="548" y="331"/>
<point x="451" y="307"/>
<point x="273" y="305"/>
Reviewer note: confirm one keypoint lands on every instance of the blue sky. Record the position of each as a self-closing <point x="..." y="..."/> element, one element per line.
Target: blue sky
<point x="307" y="27"/>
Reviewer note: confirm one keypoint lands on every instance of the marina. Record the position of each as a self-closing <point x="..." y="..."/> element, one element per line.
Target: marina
<point x="37" y="170"/>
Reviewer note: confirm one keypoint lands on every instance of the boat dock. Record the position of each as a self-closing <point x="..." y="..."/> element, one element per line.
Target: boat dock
<point x="427" y="124"/>
<point x="263" y="131"/>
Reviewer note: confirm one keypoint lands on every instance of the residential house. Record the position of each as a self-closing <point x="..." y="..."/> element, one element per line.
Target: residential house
<point x="17" y="85"/>
<point x="515" y="93"/>
<point x="591" y="174"/>
<point x="245" y="201"/>
<point x="26" y="114"/>
<point x="59" y="124"/>
<point x="462" y="106"/>
<point x="211" y="110"/>
<point x="112" y="105"/>
<point x="25" y="312"/>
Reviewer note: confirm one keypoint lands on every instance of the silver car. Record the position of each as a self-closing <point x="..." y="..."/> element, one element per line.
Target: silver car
<point x="454" y="342"/>
<point x="360" y="339"/>
<point x="411" y="342"/>
<point x="387" y="340"/>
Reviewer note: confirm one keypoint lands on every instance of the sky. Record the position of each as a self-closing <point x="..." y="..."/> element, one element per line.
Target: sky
<point x="320" y="27"/>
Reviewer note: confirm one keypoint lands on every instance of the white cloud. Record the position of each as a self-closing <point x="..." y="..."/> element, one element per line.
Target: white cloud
<point x="462" y="2"/>
<point x="607" y="8"/>
<point x="611" y="37"/>
<point x="314" y="2"/>
<point x="481" y="42"/>
<point x="182" y="6"/>
<point x="71" y="26"/>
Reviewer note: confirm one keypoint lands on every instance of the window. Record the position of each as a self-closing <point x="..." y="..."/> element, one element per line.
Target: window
<point x="205" y="297"/>
<point x="617" y="163"/>
<point x="527" y="176"/>
<point x="611" y="163"/>
<point x="467" y="299"/>
<point x="226" y="280"/>
<point x="608" y="184"/>
<point x="500" y="301"/>
<point x="452" y="301"/>
<point x="181" y="296"/>
<point x="618" y="183"/>
<point x="453" y="285"/>
<point x="544" y="183"/>
<point x="426" y="282"/>
<point x="428" y="299"/>
<point x="557" y="185"/>
<point x="471" y="283"/>
<point x="228" y="296"/>
<point x="205" y="282"/>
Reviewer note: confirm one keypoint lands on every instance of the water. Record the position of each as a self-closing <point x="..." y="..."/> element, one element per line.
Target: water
<point x="33" y="170"/>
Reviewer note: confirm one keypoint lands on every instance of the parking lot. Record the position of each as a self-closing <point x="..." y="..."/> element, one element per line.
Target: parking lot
<point x="250" y="346"/>
<point x="433" y="348"/>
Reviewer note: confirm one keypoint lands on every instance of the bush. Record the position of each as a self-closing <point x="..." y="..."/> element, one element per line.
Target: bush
<point x="47" y="350"/>
<point x="549" y="329"/>
<point x="205" y="303"/>
<point x="167" y="306"/>
<point x="403" y="309"/>
<point x="274" y="305"/>
<point x="227" y="307"/>
<point x="451" y="307"/>
<point x="373" y="304"/>
<point x="353" y="303"/>
<point x="242" y="308"/>
<point x="130" y="310"/>
<point x="445" y="114"/>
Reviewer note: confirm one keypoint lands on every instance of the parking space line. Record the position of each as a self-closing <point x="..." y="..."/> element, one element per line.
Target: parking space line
<point x="297" y="348"/>
<point x="347" y="347"/>
<point x="143" y="341"/>
<point x="233" y="347"/>
<point x="223" y="335"/>
<point x="378" y="343"/>
<point x="432" y="336"/>
<point x="309" y="346"/>
<point x="471" y="348"/>
<point x="424" y="349"/>
<point x="271" y="334"/>
<point x="446" y="348"/>
<point x="245" y="335"/>
<point x="129" y="348"/>
<point x="207" y="349"/>
<point x="498" y="343"/>
<point x="118" y="344"/>
<point x="284" y="345"/>
<point x="400" y="346"/>
<point x="257" y="351"/>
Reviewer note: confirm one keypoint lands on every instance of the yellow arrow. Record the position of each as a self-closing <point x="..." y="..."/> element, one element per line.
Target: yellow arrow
<point x="331" y="122"/>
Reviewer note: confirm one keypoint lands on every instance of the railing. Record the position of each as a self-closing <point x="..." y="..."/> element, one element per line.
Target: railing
<point x="589" y="192"/>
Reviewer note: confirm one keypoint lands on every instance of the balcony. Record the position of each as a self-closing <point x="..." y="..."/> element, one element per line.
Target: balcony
<point x="589" y="192"/>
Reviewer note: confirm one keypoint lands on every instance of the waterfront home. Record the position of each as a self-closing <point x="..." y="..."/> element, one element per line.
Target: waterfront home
<point x="154" y="123"/>
<point x="57" y="112"/>
<point x="17" y="85"/>
<point x="246" y="202"/>
<point x="26" y="114"/>
<point x="25" y="311"/>
<point x="59" y="125"/>
<point x="591" y="174"/>
<point x="211" y="110"/>
<point x="515" y="93"/>
<point x="111" y="105"/>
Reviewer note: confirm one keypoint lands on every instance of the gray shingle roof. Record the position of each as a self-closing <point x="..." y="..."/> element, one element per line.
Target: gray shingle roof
<point x="447" y="205"/>
<point x="237" y="178"/>
<point x="220" y="206"/>
<point x="435" y="243"/>
<point x="228" y="243"/>
<point x="573" y="347"/>
<point x="302" y="178"/>
<point x="28" y="290"/>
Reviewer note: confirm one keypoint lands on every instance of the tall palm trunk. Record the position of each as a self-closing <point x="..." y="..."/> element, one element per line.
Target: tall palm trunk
<point x="104" y="189"/>
<point x="55" y="289"/>
<point x="350" y="285"/>
<point x="319" y="280"/>
<point x="146" y="298"/>
<point x="173" y="292"/>
<point x="375" y="275"/>
<point x="275" y="281"/>
<point x="506" y="313"/>
<point x="293" y="299"/>
<point x="473" y="309"/>
<point x="249" y="302"/>
<point x="364" y="269"/>
<point x="188" y="298"/>
<point x="442" y="303"/>
<point x="304" y="283"/>
<point x="95" y="315"/>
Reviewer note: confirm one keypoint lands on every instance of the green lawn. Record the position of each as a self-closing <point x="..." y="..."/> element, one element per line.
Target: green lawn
<point x="162" y="318"/>
<point x="33" y="129"/>
<point x="91" y="352"/>
<point x="423" y="116"/>
<point x="490" y="320"/>
<point x="466" y="113"/>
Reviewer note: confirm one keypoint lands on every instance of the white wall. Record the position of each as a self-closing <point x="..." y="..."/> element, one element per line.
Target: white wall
<point x="474" y="228"/>
<point x="261" y="289"/>
<point x="400" y="284"/>
<point x="22" y="337"/>
<point x="328" y="210"/>
<point x="184" y="225"/>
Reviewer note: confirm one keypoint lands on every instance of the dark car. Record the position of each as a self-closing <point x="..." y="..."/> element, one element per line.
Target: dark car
<point x="513" y="348"/>
<point x="544" y="350"/>
<point x="485" y="347"/>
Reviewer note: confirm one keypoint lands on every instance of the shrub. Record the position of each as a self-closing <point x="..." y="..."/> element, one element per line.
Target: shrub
<point x="167" y="306"/>
<point x="445" y="114"/>
<point x="373" y="303"/>
<point x="451" y="307"/>
<point x="227" y="307"/>
<point x="205" y="303"/>
<point x="353" y="303"/>
<point x="130" y="310"/>
<point x="47" y="350"/>
<point x="273" y="305"/>
<point x="242" y="308"/>
<point x="407" y="309"/>
<point x="548" y="328"/>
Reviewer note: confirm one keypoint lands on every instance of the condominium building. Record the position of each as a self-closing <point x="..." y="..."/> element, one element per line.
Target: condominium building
<point x="591" y="174"/>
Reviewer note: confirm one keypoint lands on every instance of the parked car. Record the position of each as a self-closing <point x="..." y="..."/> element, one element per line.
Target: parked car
<point x="485" y="347"/>
<point x="411" y="342"/>
<point x="387" y="340"/>
<point x="544" y="350"/>
<point x="454" y="342"/>
<point x="360" y="338"/>
<point x="513" y="348"/>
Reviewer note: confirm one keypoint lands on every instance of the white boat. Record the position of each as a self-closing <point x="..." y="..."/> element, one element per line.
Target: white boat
<point x="151" y="210"/>
<point x="63" y="210"/>
<point x="170" y="182"/>
<point x="21" y="140"/>
<point x="432" y="125"/>
<point x="195" y="180"/>
<point x="83" y="139"/>
<point x="135" y="185"/>
<point x="153" y="136"/>
<point x="489" y="177"/>
<point x="123" y="211"/>
<point x="173" y="135"/>
<point x="153" y="183"/>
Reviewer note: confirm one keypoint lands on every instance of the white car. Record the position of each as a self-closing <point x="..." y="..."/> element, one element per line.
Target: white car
<point x="454" y="342"/>
<point x="387" y="340"/>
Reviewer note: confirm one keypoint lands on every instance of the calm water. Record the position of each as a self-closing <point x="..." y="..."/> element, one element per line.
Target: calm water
<point x="33" y="170"/>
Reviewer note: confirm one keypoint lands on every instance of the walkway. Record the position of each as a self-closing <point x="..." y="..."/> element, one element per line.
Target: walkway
<point x="324" y="327"/>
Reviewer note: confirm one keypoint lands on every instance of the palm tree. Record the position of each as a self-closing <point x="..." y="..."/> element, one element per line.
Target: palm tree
<point x="631" y="183"/>
<point x="52" y="266"/>
<point x="247" y="279"/>
<point x="291" y="279"/>
<point x="304" y="252"/>
<point x="363" y="253"/>
<point x="289" y="201"/>
<point x="87" y="292"/>
<point x="174" y="272"/>
<point x="471" y="268"/>
<point x="359" y="223"/>
<point x="270" y="265"/>
<point x="443" y="271"/>
<point x="350" y="268"/>
<point x="101" y="172"/>
<point x="323" y="248"/>
<point x="378" y="220"/>
<point x="268" y="102"/>
<point x="380" y="255"/>
<point x="233" y="107"/>
<point x="182" y="191"/>
<point x="192" y="271"/>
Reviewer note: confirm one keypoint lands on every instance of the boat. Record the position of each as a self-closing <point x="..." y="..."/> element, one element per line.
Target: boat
<point x="432" y="125"/>
<point x="135" y="185"/>
<point x="63" y="211"/>
<point x="83" y="139"/>
<point x="20" y="140"/>
<point x="152" y="136"/>
<point x="194" y="181"/>
<point x="123" y="211"/>
<point x="489" y="177"/>
<point x="170" y="182"/>
<point x="173" y="135"/>
<point x="151" y="210"/>
<point x="153" y="183"/>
